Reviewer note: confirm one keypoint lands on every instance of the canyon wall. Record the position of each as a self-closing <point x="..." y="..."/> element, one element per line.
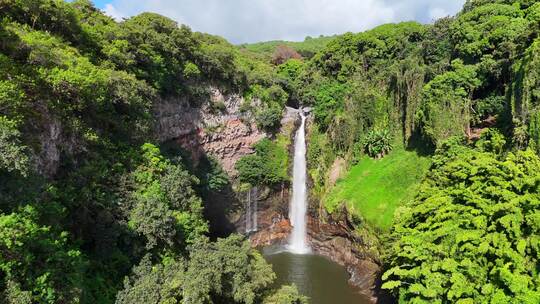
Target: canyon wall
<point x="214" y="126"/>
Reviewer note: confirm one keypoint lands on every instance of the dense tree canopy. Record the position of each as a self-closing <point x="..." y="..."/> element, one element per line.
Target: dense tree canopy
<point x="227" y="271"/>
<point x="94" y="210"/>
<point x="86" y="193"/>
<point x="37" y="261"/>
<point x="471" y="235"/>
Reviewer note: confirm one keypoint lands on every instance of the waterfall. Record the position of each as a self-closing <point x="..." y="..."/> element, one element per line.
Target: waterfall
<point x="252" y="203"/>
<point x="298" y="206"/>
<point x="255" y="207"/>
<point x="248" y="211"/>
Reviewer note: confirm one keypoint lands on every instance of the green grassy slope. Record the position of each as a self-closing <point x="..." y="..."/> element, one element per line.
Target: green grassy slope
<point x="306" y="48"/>
<point x="375" y="188"/>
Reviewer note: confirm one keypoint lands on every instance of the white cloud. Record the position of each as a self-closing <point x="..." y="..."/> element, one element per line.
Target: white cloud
<point x="437" y="13"/>
<point x="260" y="20"/>
<point x="111" y="11"/>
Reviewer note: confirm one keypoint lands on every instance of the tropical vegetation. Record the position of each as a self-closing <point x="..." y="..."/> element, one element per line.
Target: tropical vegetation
<point x="435" y="129"/>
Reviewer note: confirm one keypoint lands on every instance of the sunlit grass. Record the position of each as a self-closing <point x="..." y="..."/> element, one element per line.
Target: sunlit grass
<point x="375" y="188"/>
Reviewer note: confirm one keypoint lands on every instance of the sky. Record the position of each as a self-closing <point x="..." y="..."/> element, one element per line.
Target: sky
<point x="246" y="21"/>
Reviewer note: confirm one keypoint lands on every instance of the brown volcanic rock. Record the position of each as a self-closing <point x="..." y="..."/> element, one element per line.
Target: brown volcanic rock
<point x="273" y="225"/>
<point x="336" y="241"/>
<point x="226" y="134"/>
<point x="230" y="142"/>
<point x="276" y="233"/>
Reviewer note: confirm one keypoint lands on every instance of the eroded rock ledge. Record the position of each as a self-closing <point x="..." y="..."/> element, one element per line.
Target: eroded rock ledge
<point x="336" y="240"/>
<point x="215" y="127"/>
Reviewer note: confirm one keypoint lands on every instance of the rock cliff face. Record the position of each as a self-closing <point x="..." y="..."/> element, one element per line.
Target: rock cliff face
<point x="335" y="239"/>
<point x="51" y="142"/>
<point x="273" y="225"/>
<point x="216" y="127"/>
<point x="54" y="143"/>
<point x="211" y="126"/>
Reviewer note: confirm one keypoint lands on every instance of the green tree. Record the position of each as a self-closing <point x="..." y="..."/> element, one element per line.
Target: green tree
<point x="226" y="271"/>
<point x="48" y="15"/>
<point x="269" y="118"/>
<point x="164" y="207"/>
<point x="154" y="284"/>
<point x="286" y="295"/>
<point x="268" y="166"/>
<point x="447" y="102"/>
<point x="471" y="234"/>
<point x="36" y="261"/>
<point x="494" y="29"/>
<point x="12" y="154"/>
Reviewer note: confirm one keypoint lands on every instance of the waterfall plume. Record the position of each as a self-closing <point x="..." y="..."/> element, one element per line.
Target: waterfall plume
<point x="298" y="205"/>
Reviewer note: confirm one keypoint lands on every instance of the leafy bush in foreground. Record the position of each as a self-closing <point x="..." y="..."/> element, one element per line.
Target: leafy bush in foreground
<point x="225" y="271"/>
<point x="472" y="235"/>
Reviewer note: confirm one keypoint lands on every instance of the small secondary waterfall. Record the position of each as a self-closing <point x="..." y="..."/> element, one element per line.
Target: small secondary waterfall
<point x="298" y="206"/>
<point x="251" y="210"/>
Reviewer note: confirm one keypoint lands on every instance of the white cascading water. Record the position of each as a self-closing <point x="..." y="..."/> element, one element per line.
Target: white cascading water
<point x="252" y="204"/>
<point x="249" y="214"/>
<point x="255" y="209"/>
<point x="298" y="206"/>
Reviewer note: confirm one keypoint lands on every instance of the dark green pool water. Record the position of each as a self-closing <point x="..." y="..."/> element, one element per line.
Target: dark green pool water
<point x="322" y="280"/>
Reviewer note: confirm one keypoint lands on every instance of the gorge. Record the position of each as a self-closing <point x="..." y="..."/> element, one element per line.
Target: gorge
<point x="322" y="280"/>
<point x="144" y="162"/>
<point x="324" y="275"/>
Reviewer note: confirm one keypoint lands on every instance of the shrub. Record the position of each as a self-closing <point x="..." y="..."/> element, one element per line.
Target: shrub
<point x="191" y="71"/>
<point x="216" y="178"/>
<point x="269" y="119"/>
<point x="377" y="143"/>
<point x="268" y="166"/>
<point x="12" y="156"/>
<point x="218" y="107"/>
<point x="287" y="294"/>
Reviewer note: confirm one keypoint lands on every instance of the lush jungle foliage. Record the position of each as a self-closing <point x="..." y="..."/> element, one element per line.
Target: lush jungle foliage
<point x="470" y="233"/>
<point x="92" y="210"/>
<point x="307" y="48"/>
<point x="429" y="81"/>
<point x="268" y="165"/>
<point x="421" y="84"/>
